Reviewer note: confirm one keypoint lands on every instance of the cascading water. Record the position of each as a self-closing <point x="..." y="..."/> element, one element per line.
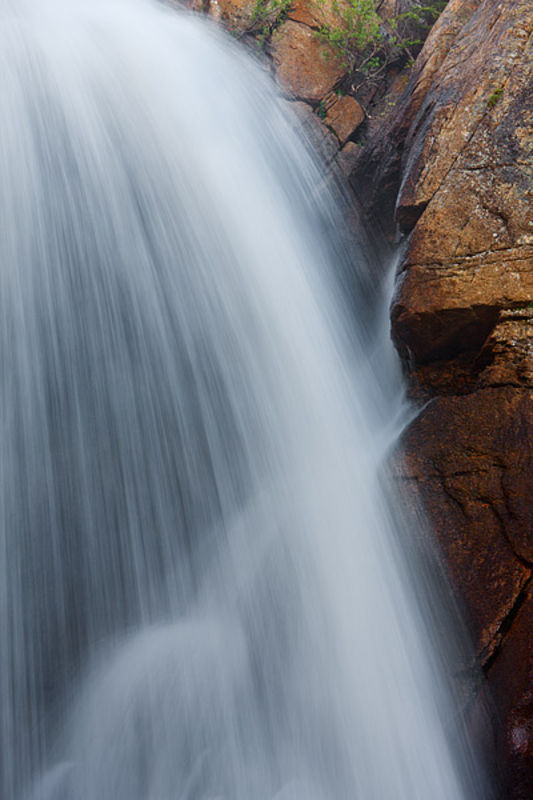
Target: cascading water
<point x="201" y="595"/>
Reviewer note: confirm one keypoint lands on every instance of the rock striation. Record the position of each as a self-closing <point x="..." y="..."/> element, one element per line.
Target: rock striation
<point x="452" y="166"/>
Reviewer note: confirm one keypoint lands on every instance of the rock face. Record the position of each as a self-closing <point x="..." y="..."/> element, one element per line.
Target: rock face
<point x="453" y="166"/>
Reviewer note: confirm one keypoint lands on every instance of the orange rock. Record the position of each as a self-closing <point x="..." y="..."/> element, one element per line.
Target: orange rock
<point x="317" y="14"/>
<point x="305" y="66"/>
<point x="506" y="357"/>
<point x="343" y="116"/>
<point x="305" y="13"/>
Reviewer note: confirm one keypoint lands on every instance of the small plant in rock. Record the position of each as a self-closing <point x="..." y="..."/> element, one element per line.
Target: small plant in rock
<point x="495" y="96"/>
<point x="267" y="15"/>
<point x="366" y="45"/>
<point x="358" y="28"/>
<point x="321" y="110"/>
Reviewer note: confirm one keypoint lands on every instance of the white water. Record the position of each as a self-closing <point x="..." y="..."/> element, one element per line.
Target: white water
<point x="200" y="590"/>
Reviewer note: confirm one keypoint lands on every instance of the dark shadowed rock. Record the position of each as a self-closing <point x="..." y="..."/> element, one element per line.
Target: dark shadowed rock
<point x="511" y="678"/>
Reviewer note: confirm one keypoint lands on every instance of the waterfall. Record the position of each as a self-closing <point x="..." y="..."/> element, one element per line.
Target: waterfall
<point x="202" y="590"/>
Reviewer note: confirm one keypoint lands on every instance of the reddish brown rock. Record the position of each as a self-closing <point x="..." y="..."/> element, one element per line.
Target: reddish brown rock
<point x="506" y="357"/>
<point x="485" y="74"/>
<point x="452" y="306"/>
<point x="344" y="115"/>
<point x="305" y="66"/>
<point x="469" y="172"/>
<point x="317" y="14"/>
<point x="470" y="459"/>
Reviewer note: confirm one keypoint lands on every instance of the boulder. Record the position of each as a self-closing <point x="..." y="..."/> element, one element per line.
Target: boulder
<point x="343" y="115"/>
<point x="305" y="66"/>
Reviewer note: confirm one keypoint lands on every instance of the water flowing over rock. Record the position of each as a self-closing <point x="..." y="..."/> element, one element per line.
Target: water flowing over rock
<point x="453" y="165"/>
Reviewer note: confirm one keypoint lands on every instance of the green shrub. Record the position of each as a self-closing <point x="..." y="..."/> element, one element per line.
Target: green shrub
<point x="321" y="110"/>
<point x="495" y="96"/>
<point x="266" y="16"/>
<point x="366" y="45"/>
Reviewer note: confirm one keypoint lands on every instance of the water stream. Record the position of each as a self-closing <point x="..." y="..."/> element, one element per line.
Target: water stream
<point x="202" y="595"/>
